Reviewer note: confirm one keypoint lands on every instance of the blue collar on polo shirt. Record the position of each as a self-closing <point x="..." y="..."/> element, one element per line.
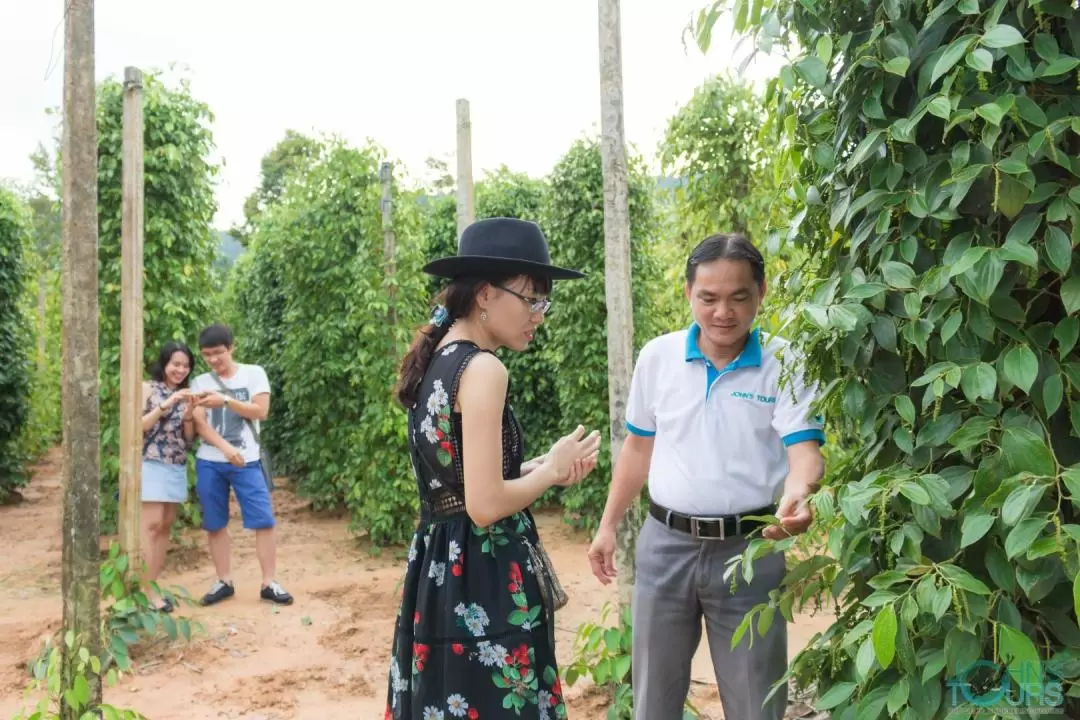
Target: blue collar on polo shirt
<point x="749" y="357"/>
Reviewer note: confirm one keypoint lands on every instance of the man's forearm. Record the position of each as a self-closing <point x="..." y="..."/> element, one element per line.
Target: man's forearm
<point x="248" y="410"/>
<point x="629" y="477"/>
<point x="804" y="476"/>
<point x="210" y="435"/>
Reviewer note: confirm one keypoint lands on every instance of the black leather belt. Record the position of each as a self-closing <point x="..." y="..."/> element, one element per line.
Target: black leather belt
<point x="712" y="528"/>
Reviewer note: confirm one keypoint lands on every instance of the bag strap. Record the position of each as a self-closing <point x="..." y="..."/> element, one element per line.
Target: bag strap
<point x="250" y="424"/>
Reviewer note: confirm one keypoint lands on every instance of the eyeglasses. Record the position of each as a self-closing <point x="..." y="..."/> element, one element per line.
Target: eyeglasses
<point x="536" y="305"/>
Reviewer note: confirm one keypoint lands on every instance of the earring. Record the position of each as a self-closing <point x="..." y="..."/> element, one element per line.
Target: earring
<point x="483" y="316"/>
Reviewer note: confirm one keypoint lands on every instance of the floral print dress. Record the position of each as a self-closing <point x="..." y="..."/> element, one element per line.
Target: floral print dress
<point x="473" y="638"/>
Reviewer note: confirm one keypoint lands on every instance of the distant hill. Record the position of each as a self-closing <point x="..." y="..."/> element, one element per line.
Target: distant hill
<point x="228" y="250"/>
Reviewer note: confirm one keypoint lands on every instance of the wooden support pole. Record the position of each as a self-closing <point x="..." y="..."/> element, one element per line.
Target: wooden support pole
<point x="465" y="210"/>
<point x="386" y="179"/>
<point x="620" y="330"/>
<point x="131" y="318"/>
<point x="81" y="453"/>
<point x="43" y="323"/>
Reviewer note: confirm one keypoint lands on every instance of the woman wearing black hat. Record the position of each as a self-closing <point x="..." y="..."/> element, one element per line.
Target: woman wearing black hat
<point x="475" y="634"/>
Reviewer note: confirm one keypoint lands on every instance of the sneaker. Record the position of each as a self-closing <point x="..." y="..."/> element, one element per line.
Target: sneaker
<point x="276" y="594"/>
<point x="220" y="591"/>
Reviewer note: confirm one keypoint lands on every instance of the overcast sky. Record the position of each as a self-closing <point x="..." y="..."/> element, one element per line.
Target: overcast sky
<point x="386" y="70"/>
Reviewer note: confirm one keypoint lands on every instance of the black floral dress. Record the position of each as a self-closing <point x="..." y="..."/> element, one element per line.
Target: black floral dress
<point x="473" y="637"/>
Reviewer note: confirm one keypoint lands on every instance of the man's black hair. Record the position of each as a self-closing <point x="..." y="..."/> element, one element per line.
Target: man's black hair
<point x="216" y="335"/>
<point x="726" y="246"/>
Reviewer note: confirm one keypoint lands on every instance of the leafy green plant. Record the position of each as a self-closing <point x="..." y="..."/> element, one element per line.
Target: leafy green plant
<point x="15" y="377"/>
<point x="179" y="245"/>
<point x="934" y="149"/>
<point x="42" y="300"/>
<point x="602" y="652"/>
<point x="726" y="178"/>
<point x="318" y="306"/>
<point x="577" y="332"/>
<point x="723" y="167"/>
<point x="130" y="619"/>
<point x="47" y="673"/>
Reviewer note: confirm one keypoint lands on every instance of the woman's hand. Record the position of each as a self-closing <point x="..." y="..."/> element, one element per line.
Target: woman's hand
<point x="212" y="399"/>
<point x="176" y="397"/>
<point x="569" y="448"/>
<point x="578" y="471"/>
<point x="530" y="465"/>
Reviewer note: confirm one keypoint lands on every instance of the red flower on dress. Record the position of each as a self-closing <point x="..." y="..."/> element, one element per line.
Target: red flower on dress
<point x="473" y="714"/>
<point x="458" y="648"/>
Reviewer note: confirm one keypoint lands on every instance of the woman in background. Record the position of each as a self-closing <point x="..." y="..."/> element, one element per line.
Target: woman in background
<point x="168" y="432"/>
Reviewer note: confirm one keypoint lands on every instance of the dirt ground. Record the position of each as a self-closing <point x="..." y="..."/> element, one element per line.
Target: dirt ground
<point x="325" y="657"/>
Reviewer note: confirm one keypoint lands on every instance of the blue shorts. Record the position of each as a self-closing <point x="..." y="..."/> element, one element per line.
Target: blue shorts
<point x="213" y="480"/>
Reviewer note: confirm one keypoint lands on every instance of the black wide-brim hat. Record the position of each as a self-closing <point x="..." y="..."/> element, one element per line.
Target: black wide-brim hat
<point x="501" y="246"/>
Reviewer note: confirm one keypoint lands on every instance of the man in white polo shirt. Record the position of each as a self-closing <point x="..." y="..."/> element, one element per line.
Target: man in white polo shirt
<point x="720" y="431"/>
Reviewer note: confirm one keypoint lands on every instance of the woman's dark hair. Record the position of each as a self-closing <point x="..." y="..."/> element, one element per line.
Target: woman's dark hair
<point x="157" y="371"/>
<point x="458" y="298"/>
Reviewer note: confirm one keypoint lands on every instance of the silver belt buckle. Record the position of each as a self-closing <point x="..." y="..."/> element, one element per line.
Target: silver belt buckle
<point x="695" y="529"/>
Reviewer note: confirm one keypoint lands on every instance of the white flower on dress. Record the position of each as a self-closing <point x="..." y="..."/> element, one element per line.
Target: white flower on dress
<point x="527" y="625"/>
<point x="455" y="550"/>
<point x="491" y="655"/>
<point x="428" y="429"/>
<point x="449" y="349"/>
<point x="400" y="684"/>
<point x="437" y="571"/>
<point x="437" y="399"/>
<point x="458" y="706"/>
<point x="475" y="617"/>
<point x="543" y="700"/>
<point x="435" y="484"/>
<point x="412" y="550"/>
<point x="433" y="713"/>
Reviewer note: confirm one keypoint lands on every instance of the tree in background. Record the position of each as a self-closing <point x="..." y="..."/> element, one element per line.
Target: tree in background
<point x="726" y="181"/>
<point x="15" y="375"/>
<point x="577" y="345"/>
<point x="934" y="150"/>
<point x="723" y="166"/>
<point x="293" y="153"/>
<point x="180" y="246"/>
<point x="42" y="298"/>
<point x="315" y="309"/>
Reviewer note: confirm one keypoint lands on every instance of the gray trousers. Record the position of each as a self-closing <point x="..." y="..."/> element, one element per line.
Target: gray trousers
<point x="679" y="580"/>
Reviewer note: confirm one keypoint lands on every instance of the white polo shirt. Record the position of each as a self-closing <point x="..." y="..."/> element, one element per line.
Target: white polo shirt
<point x="721" y="435"/>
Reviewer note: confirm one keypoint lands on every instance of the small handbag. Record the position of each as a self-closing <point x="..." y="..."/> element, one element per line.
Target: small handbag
<point x="550" y="588"/>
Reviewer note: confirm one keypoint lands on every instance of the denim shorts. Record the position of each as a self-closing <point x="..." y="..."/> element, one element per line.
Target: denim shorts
<point x="215" y="479"/>
<point x="164" y="482"/>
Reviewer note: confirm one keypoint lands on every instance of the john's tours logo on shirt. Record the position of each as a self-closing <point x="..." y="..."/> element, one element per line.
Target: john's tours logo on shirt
<point x="1024" y="688"/>
<point x="228" y="424"/>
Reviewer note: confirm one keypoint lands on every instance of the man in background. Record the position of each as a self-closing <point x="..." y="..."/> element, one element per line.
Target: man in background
<point x="235" y="399"/>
